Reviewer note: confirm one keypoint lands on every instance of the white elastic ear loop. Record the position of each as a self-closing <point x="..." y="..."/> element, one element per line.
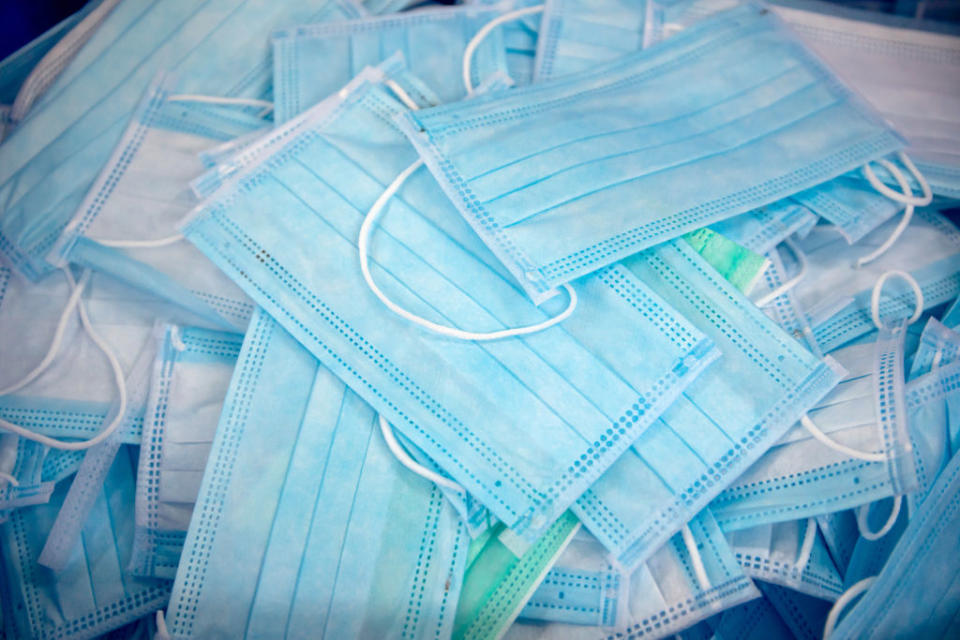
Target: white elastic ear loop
<point x="806" y="547"/>
<point x="162" y="632"/>
<point x="118" y="379"/>
<point x="864" y="527"/>
<point x="141" y="244"/>
<point x="878" y="288"/>
<point x="401" y="93"/>
<point x="792" y="282"/>
<point x="404" y="458"/>
<point x="484" y="32"/>
<point x="266" y="105"/>
<point x="695" y="558"/>
<point x="833" y="444"/>
<point x="4" y="476"/>
<point x="906" y="197"/>
<point x="363" y="242"/>
<point x="68" y="309"/>
<point x="842" y="603"/>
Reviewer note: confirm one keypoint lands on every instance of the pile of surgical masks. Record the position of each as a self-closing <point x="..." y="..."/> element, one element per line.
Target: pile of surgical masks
<point x="577" y="319"/>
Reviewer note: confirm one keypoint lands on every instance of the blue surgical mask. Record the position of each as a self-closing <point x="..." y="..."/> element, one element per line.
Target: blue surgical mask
<point x="190" y="377"/>
<point x="662" y="596"/>
<point x="851" y="204"/>
<point x="790" y="554"/>
<point x="835" y="292"/>
<point x="53" y="157"/>
<point x="21" y="472"/>
<point x="92" y="595"/>
<point x="861" y="455"/>
<point x="804" y="615"/>
<point x="754" y="620"/>
<point x="562" y="178"/>
<point x="762" y="229"/>
<point x="840" y="533"/>
<point x="578" y="34"/>
<point x="910" y="75"/>
<point x="915" y="594"/>
<point x="314" y="61"/>
<point x="718" y="427"/>
<point x="349" y="542"/>
<point x="609" y="369"/>
<point x="126" y="225"/>
<point x="939" y="346"/>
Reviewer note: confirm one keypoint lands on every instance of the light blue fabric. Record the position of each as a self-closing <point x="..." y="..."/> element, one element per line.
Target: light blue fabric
<point x="23" y="460"/>
<point x="839" y="530"/>
<point x="580" y="34"/>
<point x="584" y="389"/>
<point x="564" y="177"/>
<point x="802" y="477"/>
<point x="189" y="381"/>
<point x="583" y="591"/>
<point x="219" y="47"/>
<point x="144" y="190"/>
<point x="850" y="203"/>
<point x="804" y="615"/>
<point x="917" y="594"/>
<point x="91" y="595"/>
<point x="347" y="542"/>
<point x="755" y="620"/>
<point x="311" y="62"/>
<point x="762" y="229"/>
<point x="718" y="427"/>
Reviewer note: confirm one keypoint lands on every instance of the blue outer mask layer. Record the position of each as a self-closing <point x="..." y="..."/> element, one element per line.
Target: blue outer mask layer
<point x="564" y="177"/>
<point x="190" y="377"/>
<point x="584" y="389"/>
<point x="762" y="229"/>
<point x="719" y="426"/>
<point x="219" y="47"/>
<point x="91" y="595"/>
<point x="347" y="542"/>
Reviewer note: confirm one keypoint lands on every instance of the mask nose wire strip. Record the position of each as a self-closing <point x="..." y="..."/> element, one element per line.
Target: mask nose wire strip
<point x="878" y="289"/>
<point x="118" y="379"/>
<point x="906" y="197"/>
<point x="9" y="478"/>
<point x="55" y="343"/>
<point x="864" y="527"/>
<point x="695" y="559"/>
<point x="842" y="603"/>
<point x="362" y="245"/>
<point x="484" y="32"/>
<point x="806" y="547"/>
<point x="815" y="431"/>
<point x="792" y="282"/>
<point x="404" y="458"/>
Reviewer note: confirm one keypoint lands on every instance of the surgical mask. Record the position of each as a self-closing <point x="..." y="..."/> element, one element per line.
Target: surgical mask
<point x="840" y="533"/>
<point x="791" y="554"/>
<point x="738" y="265"/>
<point x="313" y="62"/>
<point x="915" y="594"/>
<point x="762" y="229"/>
<point x="804" y="615"/>
<point x="939" y="346"/>
<point x="851" y="204"/>
<point x="578" y="35"/>
<point x="563" y="178"/>
<point x="190" y="377"/>
<point x="126" y="224"/>
<point x="92" y="595"/>
<point x="348" y="540"/>
<point x="689" y="579"/>
<point x="852" y="448"/>
<point x="610" y="367"/>
<point x="951" y="317"/>
<point x="53" y="157"/>
<point x="718" y="427"/>
<point x="835" y="292"/>
<point x="911" y="76"/>
<point x="21" y="472"/>
<point x="754" y="620"/>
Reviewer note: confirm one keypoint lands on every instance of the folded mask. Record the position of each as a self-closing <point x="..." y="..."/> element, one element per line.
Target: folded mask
<point x="739" y="266"/>
<point x="21" y="472"/>
<point x="835" y="293"/>
<point x="311" y="62"/>
<point x="939" y="346"/>
<point x="754" y="620"/>
<point x="851" y="204"/>
<point x="791" y="554"/>
<point x="804" y="615"/>
<point x="840" y="533"/>
<point x="918" y="591"/>
<point x="584" y="388"/>
<point x="126" y="225"/>
<point x="689" y="579"/>
<point x="562" y="178"/>
<point x="718" y="427"/>
<point x="910" y="75"/>
<point x="189" y="382"/>
<point x="349" y="543"/>
<point x="762" y="229"/>
<point x="47" y="165"/>
<point x="852" y="448"/>
<point x="92" y="595"/>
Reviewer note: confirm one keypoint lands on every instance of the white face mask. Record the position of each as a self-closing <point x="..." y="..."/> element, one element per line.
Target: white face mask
<point x="912" y="77"/>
